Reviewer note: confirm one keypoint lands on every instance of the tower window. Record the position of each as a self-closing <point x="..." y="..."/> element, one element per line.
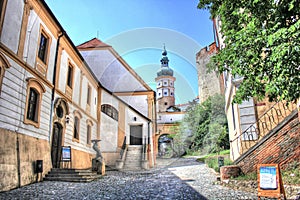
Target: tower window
<point x="166" y="103"/>
<point x="165" y="93"/>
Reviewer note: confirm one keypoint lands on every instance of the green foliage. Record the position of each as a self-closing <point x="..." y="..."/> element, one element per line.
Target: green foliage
<point x="204" y="127"/>
<point x="212" y="162"/>
<point x="262" y="46"/>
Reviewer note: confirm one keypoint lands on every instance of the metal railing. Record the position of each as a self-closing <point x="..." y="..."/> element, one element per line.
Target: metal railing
<point x="123" y="149"/>
<point x="264" y="124"/>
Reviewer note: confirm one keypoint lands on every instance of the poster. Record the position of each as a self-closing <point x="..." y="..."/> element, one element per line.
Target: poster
<point x="268" y="179"/>
<point x="66" y="153"/>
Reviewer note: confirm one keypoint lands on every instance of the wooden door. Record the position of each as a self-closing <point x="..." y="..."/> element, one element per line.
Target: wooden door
<point x="56" y="145"/>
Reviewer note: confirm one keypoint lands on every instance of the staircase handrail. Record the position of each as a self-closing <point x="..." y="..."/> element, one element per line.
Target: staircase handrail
<point x="123" y="149"/>
<point x="264" y="124"/>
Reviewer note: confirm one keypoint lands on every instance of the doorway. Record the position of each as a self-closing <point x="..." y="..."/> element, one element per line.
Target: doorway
<point x="136" y="135"/>
<point x="56" y="145"/>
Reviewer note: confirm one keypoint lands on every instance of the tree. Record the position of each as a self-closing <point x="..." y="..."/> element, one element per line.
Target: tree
<point x="204" y="127"/>
<point x="262" y="46"/>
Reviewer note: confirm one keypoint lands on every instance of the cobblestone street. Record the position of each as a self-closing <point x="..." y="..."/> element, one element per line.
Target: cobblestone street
<point x="182" y="178"/>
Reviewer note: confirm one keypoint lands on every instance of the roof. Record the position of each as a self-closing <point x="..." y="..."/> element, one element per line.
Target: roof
<point x="93" y="43"/>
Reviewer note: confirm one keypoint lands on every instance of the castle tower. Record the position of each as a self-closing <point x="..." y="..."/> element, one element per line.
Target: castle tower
<point x="165" y="84"/>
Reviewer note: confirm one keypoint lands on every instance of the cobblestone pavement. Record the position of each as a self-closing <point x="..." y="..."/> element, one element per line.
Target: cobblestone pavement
<point x="178" y="179"/>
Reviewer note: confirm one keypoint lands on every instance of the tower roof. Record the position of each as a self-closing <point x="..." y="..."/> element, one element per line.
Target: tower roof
<point x="164" y="70"/>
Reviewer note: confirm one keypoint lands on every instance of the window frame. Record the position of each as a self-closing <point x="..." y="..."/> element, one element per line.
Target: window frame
<point x="34" y="84"/>
<point x="4" y="64"/>
<point x="42" y="64"/>
<point x="89" y="131"/>
<point x="76" y="126"/>
<point x="70" y="76"/>
<point x="110" y="111"/>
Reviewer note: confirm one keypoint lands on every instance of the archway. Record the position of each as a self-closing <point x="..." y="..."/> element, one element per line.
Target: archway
<point x="165" y="148"/>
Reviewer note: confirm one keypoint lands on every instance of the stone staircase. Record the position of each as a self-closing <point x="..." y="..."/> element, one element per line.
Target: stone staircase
<point x="71" y="175"/>
<point x="133" y="158"/>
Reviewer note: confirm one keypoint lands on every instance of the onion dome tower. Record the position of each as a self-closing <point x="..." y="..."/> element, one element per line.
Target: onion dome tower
<point x="165" y="84"/>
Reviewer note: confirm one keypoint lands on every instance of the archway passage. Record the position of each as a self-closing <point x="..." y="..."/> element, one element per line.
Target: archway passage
<point x="56" y="145"/>
<point x="165" y="146"/>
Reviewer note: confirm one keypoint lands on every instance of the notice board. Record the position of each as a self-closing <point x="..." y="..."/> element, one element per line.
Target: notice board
<point x="270" y="181"/>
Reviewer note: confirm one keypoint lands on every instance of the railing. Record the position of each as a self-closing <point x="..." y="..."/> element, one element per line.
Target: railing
<point x="123" y="149"/>
<point x="265" y="123"/>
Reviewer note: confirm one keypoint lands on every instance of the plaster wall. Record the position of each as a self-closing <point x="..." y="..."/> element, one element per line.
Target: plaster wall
<point x="19" y="154"/>
<point x="109" y="126"/>
<point x="13" y="102"/>
<point x="12" y="24"/>
<point x="111" y="72"/>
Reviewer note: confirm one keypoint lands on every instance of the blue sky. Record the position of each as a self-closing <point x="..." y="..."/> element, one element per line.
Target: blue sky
<point x="137" y="30"/>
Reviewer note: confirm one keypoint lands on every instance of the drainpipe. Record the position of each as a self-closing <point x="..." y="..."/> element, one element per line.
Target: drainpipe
<point x="54" y="83"/>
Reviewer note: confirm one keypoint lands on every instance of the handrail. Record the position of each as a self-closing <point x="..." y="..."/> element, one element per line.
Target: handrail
<point x="123" y="149"/>
<point x="264" y="124"/>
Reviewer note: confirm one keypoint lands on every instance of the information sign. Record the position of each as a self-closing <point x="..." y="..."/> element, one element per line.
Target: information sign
<point x="270" y="181"/>
<point x="66" y="153"/>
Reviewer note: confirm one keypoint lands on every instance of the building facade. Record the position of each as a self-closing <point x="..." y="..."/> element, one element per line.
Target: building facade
<point x="51" y="98"/>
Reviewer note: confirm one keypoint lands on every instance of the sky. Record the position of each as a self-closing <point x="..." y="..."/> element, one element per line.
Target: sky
<point x="138" y="31"/>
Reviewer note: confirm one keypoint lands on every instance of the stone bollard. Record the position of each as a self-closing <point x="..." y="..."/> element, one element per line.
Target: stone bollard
<point x="226" y="172"/>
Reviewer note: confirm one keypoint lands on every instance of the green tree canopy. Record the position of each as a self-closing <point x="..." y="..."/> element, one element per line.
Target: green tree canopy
<point x="262" y="40"/>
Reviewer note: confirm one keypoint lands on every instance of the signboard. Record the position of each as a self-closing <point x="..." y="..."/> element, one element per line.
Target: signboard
<point x="66" y="153"/>
<point x="269" y="181"/>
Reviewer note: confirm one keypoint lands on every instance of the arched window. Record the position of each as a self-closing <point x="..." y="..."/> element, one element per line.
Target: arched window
<point x="89" y="125"/>
<point x="35" y="91"/>
<point x="76" y="126"/>
<point x="110" y="111"/>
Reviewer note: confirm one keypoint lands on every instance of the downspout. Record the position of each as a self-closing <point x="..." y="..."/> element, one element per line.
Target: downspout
<point x="54" y="84"/>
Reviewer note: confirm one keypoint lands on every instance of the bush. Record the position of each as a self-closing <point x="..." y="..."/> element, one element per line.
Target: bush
<point x="212" y="162"/>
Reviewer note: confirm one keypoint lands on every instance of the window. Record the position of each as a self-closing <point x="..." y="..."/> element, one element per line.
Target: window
<point x="88" y="134"/>
<point x="76" y="126"/>
<point x="32" y="105"/>
<point x="42" y="54"/>
<point x="33" y="102"/>
<point x="165" y="93"/>
<point x="166" y="103"/>
<point x="70" y="76"/>
<point x="110" y="111"/>
<point x="88" y="98"/>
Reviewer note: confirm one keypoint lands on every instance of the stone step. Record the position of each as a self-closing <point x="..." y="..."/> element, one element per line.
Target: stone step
<point x="71" y="175"/>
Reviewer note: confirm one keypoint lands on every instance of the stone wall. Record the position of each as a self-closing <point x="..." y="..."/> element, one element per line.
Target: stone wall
<point x="18" y="159"/>
<point x="209" y="83"/>
<point x="281" y="146"/>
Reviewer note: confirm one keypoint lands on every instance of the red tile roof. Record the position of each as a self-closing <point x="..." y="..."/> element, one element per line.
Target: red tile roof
<point x="93" y="43"/>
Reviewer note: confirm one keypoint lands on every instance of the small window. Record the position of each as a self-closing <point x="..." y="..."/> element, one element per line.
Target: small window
<point x="172" y="94"/>
<point x="76" y="128"/>
<point x="70" y="76"/>
<point x="166" y="103"/>
<point x="159" y="94"/>
<point x="110" y="111"/>
<point x="88" y="134"/>
<point x="88" y="98"/>
<point x="32" y="105"/>
<point x="42" y="54"/>
<point x="165" y="93"/>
